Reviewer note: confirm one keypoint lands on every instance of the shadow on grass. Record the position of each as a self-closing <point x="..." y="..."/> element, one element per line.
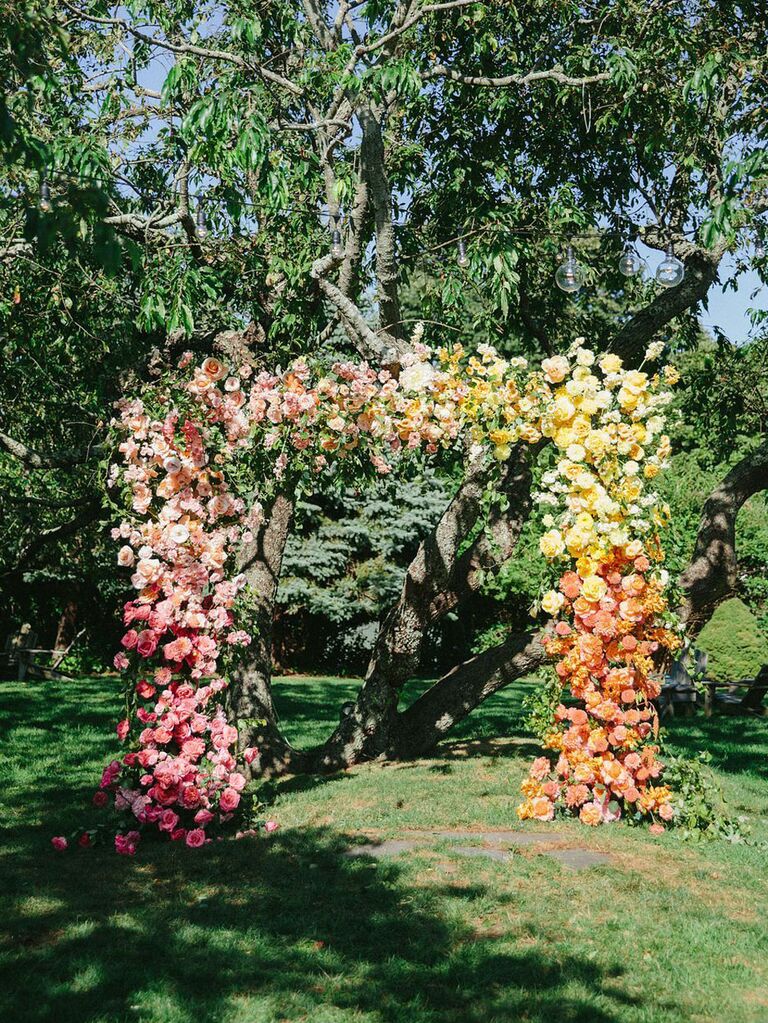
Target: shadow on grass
<point x="278" y="929"/>
<point x="736" y="743"/>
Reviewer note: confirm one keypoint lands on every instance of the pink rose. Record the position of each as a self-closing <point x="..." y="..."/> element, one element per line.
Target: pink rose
<point x="271" y="826"/>
<point x="145" y="690"/>
<point x="59" y="843"/>
<point x="125" y="556"/>
<point x="230" y="799"/>
<point x="195" y="838"/>
<point x="146" y="643"/>
<point x="120" y="661"/>
<point x="126" y="845"/>
<point x="123" y="727"/>
<point x="100" y="798"/>
<point x="129" y="639"/>
<point x="250" y="754"/>
<point x="168" y="820"/>
<point x="84" y="840"/>
<point x="203" y="817"/>
<point x="656" y="829"/>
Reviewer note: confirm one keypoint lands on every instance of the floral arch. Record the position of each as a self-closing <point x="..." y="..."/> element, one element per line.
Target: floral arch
<point x="194" y="452"/>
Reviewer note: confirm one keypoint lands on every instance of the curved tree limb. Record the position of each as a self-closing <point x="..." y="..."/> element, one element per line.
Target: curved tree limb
<point x="713" y="572"/>
<point x="506" y="81"/>
<point x="54" y="460"/>
<point x="455" y="695"/>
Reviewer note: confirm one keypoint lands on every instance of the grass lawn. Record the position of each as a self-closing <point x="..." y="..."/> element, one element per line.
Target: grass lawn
<point x="286" y="929"/>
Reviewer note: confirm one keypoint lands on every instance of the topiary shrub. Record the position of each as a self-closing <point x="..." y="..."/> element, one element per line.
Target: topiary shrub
<point x="734" y="641"/>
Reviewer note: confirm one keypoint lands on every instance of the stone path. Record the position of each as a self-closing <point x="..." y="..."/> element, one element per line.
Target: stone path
<point x="495" y="845"/>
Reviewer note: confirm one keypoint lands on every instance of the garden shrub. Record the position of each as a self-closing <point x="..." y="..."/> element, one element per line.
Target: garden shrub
<point x="734" y="642"/>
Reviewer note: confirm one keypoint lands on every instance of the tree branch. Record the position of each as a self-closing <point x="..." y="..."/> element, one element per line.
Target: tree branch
<point x="712" y="574"/>
<point x="34" y="460"/>
<point x="506" y="81"/>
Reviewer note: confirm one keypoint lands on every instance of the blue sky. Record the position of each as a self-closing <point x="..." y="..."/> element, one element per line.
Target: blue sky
<point x="728" y="310"/>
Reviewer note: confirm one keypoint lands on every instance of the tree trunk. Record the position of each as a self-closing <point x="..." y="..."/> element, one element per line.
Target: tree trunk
<point x="438" y="578"/>
<point x="251" y="687"/>
<point x="65" y="632"/>
<point x="712" y="574"/>
<point x="454" y="696"/>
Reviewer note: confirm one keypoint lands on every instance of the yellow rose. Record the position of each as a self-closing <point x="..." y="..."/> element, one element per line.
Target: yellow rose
<point x="610" y="364"/>
<point x="552" y="601"/>
<point x="586" y="567"/>
<point x="551" y="543"/>
<point x="593" y="588"/>
<point x="563" y="410"/>
<point x="650" y="470"/>
<point x="671" y="375"/>
<point x="634" y="549"/>
<point x="576" y="452"/>
<point x="555" y="369"/>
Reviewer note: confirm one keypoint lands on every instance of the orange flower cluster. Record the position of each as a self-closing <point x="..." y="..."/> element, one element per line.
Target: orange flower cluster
<point x="604" y="643"/>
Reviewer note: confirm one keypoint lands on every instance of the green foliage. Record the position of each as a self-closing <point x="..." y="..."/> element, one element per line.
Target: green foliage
<point x="540" y="702"/>
<point x="344" y="566"/>
<point x="699" y="802"/>
<point x="734" y="642"/>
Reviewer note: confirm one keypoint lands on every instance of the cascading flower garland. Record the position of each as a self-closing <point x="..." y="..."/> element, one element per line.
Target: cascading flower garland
<point x="194" y="460"/>
<point x="609" y="611"/>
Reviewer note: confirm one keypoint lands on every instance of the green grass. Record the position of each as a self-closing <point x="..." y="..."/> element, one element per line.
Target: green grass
<point x="286" y="929"/>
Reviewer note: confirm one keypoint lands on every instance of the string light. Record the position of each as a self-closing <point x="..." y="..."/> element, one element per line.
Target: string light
<point x="337" y="249"/>
<point x="45" y="197"/>
<point x="569" y="276"/>
<point x="670" y="271"/>
<point x="462" y="258"/>
<point x="630" y="261"/>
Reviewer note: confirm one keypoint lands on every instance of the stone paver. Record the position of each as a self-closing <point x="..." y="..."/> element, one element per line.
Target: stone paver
<point x="578" y="859"/>
<point x="495" y="846"/>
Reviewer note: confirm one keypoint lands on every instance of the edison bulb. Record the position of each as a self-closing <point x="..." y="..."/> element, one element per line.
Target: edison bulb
<point x="670" y="271"/>
<point x="569" y="276"/>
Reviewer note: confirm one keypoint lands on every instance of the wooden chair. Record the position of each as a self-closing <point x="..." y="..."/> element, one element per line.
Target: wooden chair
<point x="679" y="693"/>
<point x="747" y="696"/>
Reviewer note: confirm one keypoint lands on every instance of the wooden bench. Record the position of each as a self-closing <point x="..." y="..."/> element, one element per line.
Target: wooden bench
<point x="22" y="654"/>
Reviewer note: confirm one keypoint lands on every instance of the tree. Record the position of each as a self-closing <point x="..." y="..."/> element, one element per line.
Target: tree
<point x="196" y="156"/>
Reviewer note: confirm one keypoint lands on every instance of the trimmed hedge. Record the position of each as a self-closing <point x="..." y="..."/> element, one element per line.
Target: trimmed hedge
<point x="736" y="645"/>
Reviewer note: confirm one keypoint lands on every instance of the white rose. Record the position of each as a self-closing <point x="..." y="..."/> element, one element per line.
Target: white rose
<point x="125" y="556"/>
<point x="179" y="533"/>
<point x="417" y="377"/>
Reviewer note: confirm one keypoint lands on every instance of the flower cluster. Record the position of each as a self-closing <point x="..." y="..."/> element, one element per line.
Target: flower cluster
<point x="611" y="619"/>
<point x="182" y="452"/>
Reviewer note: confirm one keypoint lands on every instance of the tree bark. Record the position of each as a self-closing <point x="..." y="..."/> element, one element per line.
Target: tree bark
<point x="65" y="632"/>
<point x="455" y="695"/>
<point x="373" y="170"/>
<point x="712" y="574"/>
<point x="251" y="686"/>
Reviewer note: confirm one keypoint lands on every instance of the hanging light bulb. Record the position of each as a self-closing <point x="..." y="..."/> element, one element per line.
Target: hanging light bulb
<point x="337" y="249"/>
<point x="759" y="250"/>
<point x="630" y="261"/>
<point x="45" y="197"/>
<point x="200" y="224"/>
<point x="462" y="258"/>
<point x="670" y="271"/>
<point x="570" y="276"/>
